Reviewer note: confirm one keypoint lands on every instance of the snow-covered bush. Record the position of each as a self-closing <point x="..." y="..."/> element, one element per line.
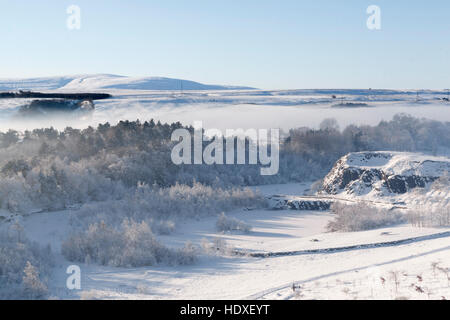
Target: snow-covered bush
<point x="108" y="234"/>
<point x="16" y="195"/>
<point x="441" y="217"/>
<point x="55" y="185"/>
<point x="216" y="246"/>
<point x="186" y="255"/>
<point x="131" y="245"/>
<point x="359" y="217"/>
<point x="226" y="224"/>
<point x="24" y="266"/>
<point x="33" y="287"/>
<point x="159" y="208"/>
<point x="442" y="183"/>
<point x="430" y="217"/>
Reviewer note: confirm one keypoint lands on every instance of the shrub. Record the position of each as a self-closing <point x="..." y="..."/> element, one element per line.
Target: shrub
<point x="33" y="286"/>
<point x="24" y="266"/>
<point x="216" y="246"/>
<point x="160" y="207"/>
<point x="359" y="217"/>
<point x="225" y="223"/>
<point x="437" y="217"/>
<point x="131" y="245"/>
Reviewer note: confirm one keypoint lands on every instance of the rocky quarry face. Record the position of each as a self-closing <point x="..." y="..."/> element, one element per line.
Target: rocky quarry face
<point x="383" y="173"/>
<point x="298" y="203"/>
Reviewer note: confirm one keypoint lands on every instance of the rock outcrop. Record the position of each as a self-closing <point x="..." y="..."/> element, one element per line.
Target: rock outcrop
<point x="299" y="203"/>
<point x="383" y="173"/>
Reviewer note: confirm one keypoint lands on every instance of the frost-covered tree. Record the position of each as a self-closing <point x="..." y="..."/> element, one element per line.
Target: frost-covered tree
<point x="33" y="286"/>
<point x="51" y="169"/>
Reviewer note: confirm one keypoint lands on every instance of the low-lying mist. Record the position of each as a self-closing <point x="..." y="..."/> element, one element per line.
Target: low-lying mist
<point x="220" y="115"/>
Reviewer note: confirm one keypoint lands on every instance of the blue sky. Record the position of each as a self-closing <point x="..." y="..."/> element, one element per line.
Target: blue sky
<point x="265" y="44"/>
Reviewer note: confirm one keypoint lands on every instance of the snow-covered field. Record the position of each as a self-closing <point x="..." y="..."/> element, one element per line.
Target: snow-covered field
<point x="409" y="270"/>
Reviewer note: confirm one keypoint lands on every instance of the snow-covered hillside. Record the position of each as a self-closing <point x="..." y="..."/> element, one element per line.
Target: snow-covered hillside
<point x="107" y="81"/>
<point x="45" y="83"/>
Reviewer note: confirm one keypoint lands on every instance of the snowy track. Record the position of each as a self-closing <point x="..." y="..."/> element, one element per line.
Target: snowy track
<point x="346" y="248"/>
<point x="288" y="288"/>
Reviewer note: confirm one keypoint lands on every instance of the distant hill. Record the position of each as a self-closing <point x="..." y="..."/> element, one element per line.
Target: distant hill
<point x="107" y="81"/>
